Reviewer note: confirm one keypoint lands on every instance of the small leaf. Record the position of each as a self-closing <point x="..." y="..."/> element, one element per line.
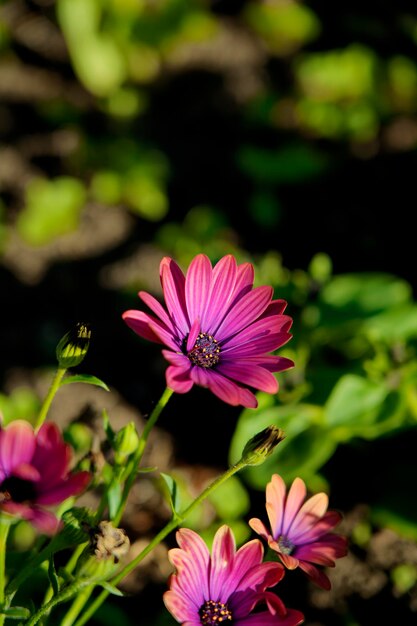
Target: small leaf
<point x="15" y="612"/>
<point x="85" y="378"/>
<point x="111" y="588"/>
<point x="52" y="575"/>
<point x="173" y="492"/>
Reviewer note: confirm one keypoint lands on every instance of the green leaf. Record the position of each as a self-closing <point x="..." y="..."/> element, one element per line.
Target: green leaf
<point x="84" y="378"/>
<point x="111" y="588"/>
<point x="173" y="492"/>
<point x="110" y="433"/>
<point x="354" y="403"/>
<point x="398" y="324"/>
<point x="366" y="293"/>
<point x="15" y="612"/>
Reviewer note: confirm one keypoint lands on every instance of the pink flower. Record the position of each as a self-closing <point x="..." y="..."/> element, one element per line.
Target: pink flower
<point x="218" y="329"/>
<point x="300" y="530"/>
<point x="227" y="586"/>
<point x="34" y="473"/>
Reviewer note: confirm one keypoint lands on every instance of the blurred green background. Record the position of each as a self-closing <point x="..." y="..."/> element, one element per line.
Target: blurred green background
<point x="283" y="132"/>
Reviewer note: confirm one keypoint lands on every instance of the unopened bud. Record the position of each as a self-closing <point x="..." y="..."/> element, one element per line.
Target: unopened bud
<point x="125" y="442"/>
<point x="261" y="446"/>
<point x="73" y="346"/>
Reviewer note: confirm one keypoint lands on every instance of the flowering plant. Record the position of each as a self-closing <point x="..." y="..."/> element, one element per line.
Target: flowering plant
<point x="219" y="332"/>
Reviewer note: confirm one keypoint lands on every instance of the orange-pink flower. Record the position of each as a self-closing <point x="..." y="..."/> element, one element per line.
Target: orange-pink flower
<point x="34" y="473"/>
<point x="301" y="529"/>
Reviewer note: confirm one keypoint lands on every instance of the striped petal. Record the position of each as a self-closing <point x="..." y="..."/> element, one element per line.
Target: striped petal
<point x="245" y="311"/>
<point x="197" y="286"/>
<point x="173" y="285"/>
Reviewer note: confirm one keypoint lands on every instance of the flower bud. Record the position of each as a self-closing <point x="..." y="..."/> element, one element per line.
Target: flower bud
<point x="73" y="346"/>
<point x="261" y="446"/>
<point x="125" y="442"/>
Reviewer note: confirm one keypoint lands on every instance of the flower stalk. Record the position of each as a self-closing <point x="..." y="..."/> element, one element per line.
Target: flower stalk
<point x="172" y="524"/>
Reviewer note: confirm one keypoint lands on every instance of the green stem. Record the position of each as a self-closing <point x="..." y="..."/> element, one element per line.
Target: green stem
<point x="79" y="603"/>
<point x="172" y="524"/>
<point x="62" y="596"/>
<point x="4" y="531"/>
<point x="163" y="401"/>
<point x="48" y="400"/>
<point x="77" y="606"/>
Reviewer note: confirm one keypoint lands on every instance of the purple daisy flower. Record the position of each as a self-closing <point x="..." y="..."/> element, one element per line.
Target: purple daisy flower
<point x="218" y="329"/>
<point x="34" y="473"/>
<point x="301" y="529"/>
<point x="227" y="586"/>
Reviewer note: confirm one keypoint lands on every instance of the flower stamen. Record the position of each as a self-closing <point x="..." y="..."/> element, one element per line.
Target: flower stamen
<point x="206" y="351"/>
<point x="212" y="613"/>
<point x="285" y="545"/>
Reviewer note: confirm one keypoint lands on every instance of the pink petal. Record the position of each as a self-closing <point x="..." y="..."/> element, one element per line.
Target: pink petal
<point x="291" y="618"/>
<point x="247" y="398"/>
<point x="320" y="527"/>
<point x="72" y="486"/>
<point x="222" y="560"/>
<point x="275" y="504"/>
<point x="262" y="576"/>
<point x="221" y="293"/>
<point x="317" y="576"/>
<point x="192" y="559"/>
<point x="259" y="527"/>
<point x="178" y="379"/>
<point x="177" y="358"/>
<point x="164" y="335"/>
<point x="52" y="456"/>
<point x="197" y="286"/>
<point x="324" y="551"/>
<point x="192" y="543"/>
<point x="26" y="472"/>
<point x="44" y="521"/>
<point x="256" y="347"/>
<point x="17" y="445"/>
<point x="277" y="307"/>
<point x="223" y="388"/>
<point x="180" y="608"/>
<point x="194" y="330"/>
<point x="244" y="281"/>
<point x="245" y="311"/>
<point x="139" y="321"/>
<point x="247" y="557"/>
<point x="295" y="499"/>
<point x="253" y="332"/>
<point x="173" y="285"/>
<point x="309" y="514"/>
<point x="251" y="375"/>
<point x="157" y="308"/>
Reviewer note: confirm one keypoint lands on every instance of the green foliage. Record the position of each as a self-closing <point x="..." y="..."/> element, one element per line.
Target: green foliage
<point x="53" y="208"/>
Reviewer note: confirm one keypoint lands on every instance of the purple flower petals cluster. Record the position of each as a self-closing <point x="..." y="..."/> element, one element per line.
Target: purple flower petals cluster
<point x="218" y="329"/>
<point x="226" y="586"/>
<point x="34" y="473"/>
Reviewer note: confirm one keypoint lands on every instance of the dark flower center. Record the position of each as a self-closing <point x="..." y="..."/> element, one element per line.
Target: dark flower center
<point x="206" y="351"/>
<point x="285" y="545"/>
<point x="17" y="489"/>
<point x="213" y="613"/>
